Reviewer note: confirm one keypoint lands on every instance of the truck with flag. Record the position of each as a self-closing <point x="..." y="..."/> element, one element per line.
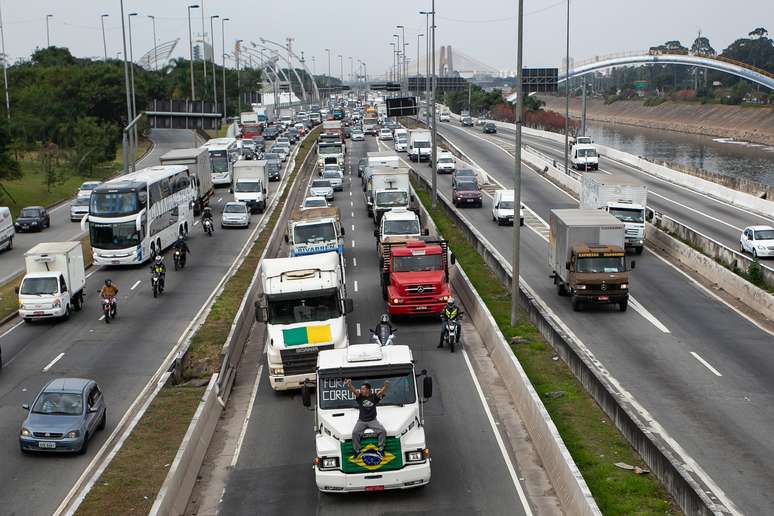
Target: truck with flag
<point x="304" y="304"/>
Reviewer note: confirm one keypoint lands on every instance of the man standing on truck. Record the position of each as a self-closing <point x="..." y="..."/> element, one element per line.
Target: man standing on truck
<point x="366" y="403"/>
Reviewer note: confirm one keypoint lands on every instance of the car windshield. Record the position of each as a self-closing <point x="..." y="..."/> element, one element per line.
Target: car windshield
<point x="247" y="186"/>
<point x="606" y="264"/>
<point x="505" y="205"/>
<point x="392" y="198"/>
<point x="39" y="286"/>
<point x="329" y="149"/>
<point x="627" y="214"/>
<point x="315" y="203"/>
<point x="332" y="174"/>
<point x="321" y="183"/>
<point x="334" y="393"/>
<point x="467" y="186"/>
<point x="113" y="204"/>
<point x="587" y="153"/>
<point x="312" y="233"/>
<point x="30" y="212"/>
<point x="764" y="234"/>
<point x="310" y="306"/>
<point x="363" y="162"/>
<point x="401" y="227"/>
<point x="464" y="172"/>
<point x="59" y="404"/>
<point x="235" y="208"/>
<point x="81" y="201"/>
<point x="419" y="263"/>
<point x="89" y="186"/>
<point x="445" y="160"/>
<point x="271" y="156"/>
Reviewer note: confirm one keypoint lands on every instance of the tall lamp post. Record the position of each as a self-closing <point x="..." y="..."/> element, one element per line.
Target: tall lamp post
<point x="329" y="67"/>
<point x="5" y="68"/>
<point x="567" y="93"/>
<point x="223" y="63"/>
<point x="397" y="56"/>
<point x="427" y="64"/>
<point x="434" y="126"/>
<point x="104" y="41"/>
<point x="403" y="49"/>
<point x="190" y="49"/>
<point x="351" y="69"/>
<point x="418" y="73"/>
<point x="48" y="32"/>
<point x="238" y="52"/>
<point x="128" y="88"/>
<point x="131" y="77"/>
<point x="341" y="68"/>
<point x="214" y="82"/>
<point x="155" y="44"/>
<point x="517" y="166"/>
<point x="392" y="70"/>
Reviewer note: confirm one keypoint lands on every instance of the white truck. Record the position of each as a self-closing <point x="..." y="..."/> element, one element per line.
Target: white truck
<point x="420" y="145"/>
<point x="397" y="225"/>
<point x="251" y="180"/>
<point x="304" y="305"/>
<point x="54" y="282"/>
<point x="584" y="156"/>
<point x="315" y="231"/>
<point x="389" y="188"/>
<point x="401" y="137"/>
<point x="197" y="159"/>
<point x="405" y="462"/>
<point x="623" y="197"/>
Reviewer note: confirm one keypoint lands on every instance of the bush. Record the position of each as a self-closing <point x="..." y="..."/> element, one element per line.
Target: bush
<point x="610" y="99"/>
<point x="654" y="101"/>
<point x="755" y="273"/>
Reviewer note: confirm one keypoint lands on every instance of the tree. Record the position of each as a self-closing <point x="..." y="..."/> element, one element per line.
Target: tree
<point x="49" y="161"/>
<point x="758" y="33"/>
<point x="94" y="141"/>
<point x="701" y="45"/>
<point x="9" y="167"/>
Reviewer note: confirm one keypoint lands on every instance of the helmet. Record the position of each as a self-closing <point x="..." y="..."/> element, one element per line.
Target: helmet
<point x="385" y="318"/>
<point x="158" y="258"/>
<point x="179" y="238"/>
<point x="450" y="302"/>
<point x="107" y="282"/>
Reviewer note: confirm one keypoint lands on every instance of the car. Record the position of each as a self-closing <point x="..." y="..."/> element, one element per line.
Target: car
<point x="292" y="135"/>
<point x="79" y="208"/>
<point x="283" y="140"/>
<point x="444" y="117"/>
<point x="87" y="187"/>
<point x="358" y="135"/>
<point x="480" y="122"/>
<point x="489" y="128"/>
<point x="321" y="188"/>
<point x="502" y="208"/>
<point x="361" y="166"/>
<point x="260" y="144"/>
<point x="462" y="174"/>
<point x="314" y="202"/>
<point x="300" y="127"/>
<point x="466" y="121"/>
<point x="235" y="214"/>
<point x="333" y="174"/>
<point x="347" y="132"/>
<point x="281" y="150"/>
<point x="385" y="134"/>
<point x="32" y="218"/>
<point x="445" y="163"/>
<point x="271" y="132"/>
<point x="274" y="170"/>
<point x="466" y="193"/>
<point x="63" y="417"/>
<point x="758" y="241"/>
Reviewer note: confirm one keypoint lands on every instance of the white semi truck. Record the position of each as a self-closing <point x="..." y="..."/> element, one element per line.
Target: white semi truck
<point x="197" y="159"/>
<point x="315" y="231"/>
<point x="304" y="305"/>
<point x="250" y="184"/>
<point x="623" y="197"/>
<point x="54" y="282"/>
<point x="405" y="462"/>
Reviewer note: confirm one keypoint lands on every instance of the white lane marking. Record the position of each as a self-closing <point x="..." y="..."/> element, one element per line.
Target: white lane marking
<point x="135" y="285"/>
<point x="353" y="213"/>
<point x="196" y="222"/>
<point x="351" y="204"/>
<point x="696" y="211"/>
<point x="350" y="193"/>
<point x="647" y="315"/>
<point x="246" y="423"/>
<point x="220" y="199"/>
<point x="353" y="227"/>
<point x="705" y="364"/>
<point x="102" y="317"/>
<point x="51" y="364"/>
<point x="9" y="330"/>
<point x="354" y="262"/>
<point x="355" y="285"/>
<point x="357" y="329"/>
<point x="353" y="243"/>
<point x="498" y="438"/>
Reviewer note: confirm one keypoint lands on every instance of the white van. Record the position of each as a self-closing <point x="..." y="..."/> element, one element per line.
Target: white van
<point x="7" y="231"/>
<point x="502" y="208"/>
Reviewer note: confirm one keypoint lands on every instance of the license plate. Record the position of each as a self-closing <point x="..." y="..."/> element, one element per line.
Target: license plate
<point x="115" y="262"/>
<point x="46" y="444"/>
<point x="38" y="313"/>
<point x="374" y="488"/>
<point x="603" y="298"/>
<point x="421" y="308"/>
<point x="470" y="200"/>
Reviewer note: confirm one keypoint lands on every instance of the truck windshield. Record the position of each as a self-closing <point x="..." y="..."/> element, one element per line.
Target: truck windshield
<point x="311" y="233"/>
<point x="121" y="235"/>
<point x="219" y="161"/>
<point x="391" y="198"/>
<point x="335" y="395"/>
<point x="247" y="186"/>
<point x="307" y="307"/>
<point x="587" y="153"/>
<point x="627" y="214"/>
<point x="424" y="263"/>
<point x="329" y="149"/>
<point x="401" y="227"/>
<point x="39" y="286"/>
<point x="113" y="204"/>
<point x="422" y="145"/>
<point x="606" y="264"/>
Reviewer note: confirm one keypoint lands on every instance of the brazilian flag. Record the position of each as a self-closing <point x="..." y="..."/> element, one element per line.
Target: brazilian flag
<point x="368" y="459"/>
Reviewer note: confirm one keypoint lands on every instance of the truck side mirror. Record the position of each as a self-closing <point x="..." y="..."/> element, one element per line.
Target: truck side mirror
<point x="453" y="259"/>
<point x="306" y="395"/>
<point x="16" y="289"/>
<point x="633" y="265"/>
<point x="264" y="191"/>
<point x="567" y="265"/>
<point x="425" y="232"/>
<point x="286" y="238"/>
<point x="230" y="190"/>
<point x="349" y="305"/>
<point x="260" y="313"/>
<point x="427" y="387"/>
<point x="376" y="233"/>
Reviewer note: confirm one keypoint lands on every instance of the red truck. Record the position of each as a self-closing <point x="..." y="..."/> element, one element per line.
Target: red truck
<point x="415" y="276"/>
<point x="250" y="130"/>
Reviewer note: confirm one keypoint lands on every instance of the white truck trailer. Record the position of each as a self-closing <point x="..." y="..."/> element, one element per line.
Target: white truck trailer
<point x="54" y="282"/>
<point x="250" y="185"/>
<point x="623" y="197"/>
<point x="390" y="188"/>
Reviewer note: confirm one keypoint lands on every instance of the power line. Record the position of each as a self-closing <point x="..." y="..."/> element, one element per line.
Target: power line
<point x="508" y="18"/>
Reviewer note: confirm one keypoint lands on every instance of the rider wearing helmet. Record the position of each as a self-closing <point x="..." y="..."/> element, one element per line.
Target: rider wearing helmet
<point x="383" y="327"/>
<point x="180" y="245"/>
<point x="158" y="266"/>
<point x="450" y="311"/>
<point x="207" y="213"/>
<point x="108" y="290"/>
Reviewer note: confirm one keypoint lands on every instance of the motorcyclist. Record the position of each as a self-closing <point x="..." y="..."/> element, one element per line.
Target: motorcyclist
<point x="181" y="246"/>
<point x="109" y="291"/>
<point x="450" y="311"/>
<point x="207" y="215"/>
<point x="159" y="267"/>
<point x="383" y="328"/>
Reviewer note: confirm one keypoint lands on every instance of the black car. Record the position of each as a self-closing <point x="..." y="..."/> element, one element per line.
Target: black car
<point x="292" y="134"/>
<point x="271" y="132"/>
<point x="462" y="174"/>
<point x="32" y="218"/>
<point x="489" y="128"/>
<point x="260" y="144"/>
<point x="347" y="132"/>
<point x="274" y="170"/>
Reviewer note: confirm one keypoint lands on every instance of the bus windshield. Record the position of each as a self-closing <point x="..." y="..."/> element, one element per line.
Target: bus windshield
<point x="121" y="235"/>
<point x="219" y="161"/>
<point x="113" y="204"/>
<point x="307" y="307"/>
<point x="334" y="393"/>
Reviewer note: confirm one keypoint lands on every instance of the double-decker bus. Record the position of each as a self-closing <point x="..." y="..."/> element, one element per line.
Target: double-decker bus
<point x="133" y="217"/>
<point x="223" y="153"/>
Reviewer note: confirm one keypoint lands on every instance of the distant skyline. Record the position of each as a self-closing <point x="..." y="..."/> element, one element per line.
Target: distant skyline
<point x="364" y="29"/>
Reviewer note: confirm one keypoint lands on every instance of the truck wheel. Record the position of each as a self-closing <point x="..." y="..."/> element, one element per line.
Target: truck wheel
<point x="66" y="315"/>
<point x="623" y="305"/>
<point x="560" y="290"/>
<point x="384" y="292"/>
<point x="638" y="250"/>
<point x="576" y="304"/>
<point x="78" y="302"/>
<point x="10" y="243"/>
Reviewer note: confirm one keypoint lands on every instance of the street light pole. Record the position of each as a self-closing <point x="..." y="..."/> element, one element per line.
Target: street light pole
<point x="327" y="82"/>
<point x="392" y="69"/>
<point x="131" y="77"/>
<point x="5" y="68"/>
<point x="351" y="69"/>
<point x="104" y="42"/>
<point x="238" y="51"/>
<point x="403" y="48"/>
<point x="204" y="53"/>
<point x="223" y="64"/>
<point x="190" y="49"/>
<point x="567" y="94"/>
<point x="427" y="65"/>
<point x="155" y="44"/>
<point x="128" y="90"/>
<point x="517" y="168"/>
<point x="341" y="68"/>
<point x="48" y="34"/>
<point x="435" y="130"/>
<point x="214" y="82"/>
<point x="418" y="72"/>
<point x="397" y="57"/>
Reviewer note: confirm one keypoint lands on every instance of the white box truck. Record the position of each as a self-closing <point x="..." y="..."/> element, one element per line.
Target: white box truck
<point x="250" y="185"/>
<point x="197" y="159"/>
<point x="304" y="305"/>
<point x="420" y="145"/>
<point x="389" y="188"/>
<point x="381" y="178"/>
<point x="623" y="197"/>
<point x="315" y="231"/>
<point x="7" y="230"/>
<point x="54" y="282"/>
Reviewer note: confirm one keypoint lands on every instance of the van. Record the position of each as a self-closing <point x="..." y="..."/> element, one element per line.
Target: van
<point x="7" y="230"/>
<point x="502" y="208"/>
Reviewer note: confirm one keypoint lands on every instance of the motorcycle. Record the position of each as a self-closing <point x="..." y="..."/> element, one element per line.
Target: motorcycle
<point x="207" y="225"/>
<point x="382" y="335"/>
<point x="109" y="308"/>
<point x="452" y="331"/>
<point x="179" y="259"/>
<point x="157" y="282"/>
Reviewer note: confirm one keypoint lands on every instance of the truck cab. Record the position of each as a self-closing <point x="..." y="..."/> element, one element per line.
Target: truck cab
<point x="250" y="184"/>
<point x="406" y="460"/>
<point x="315" y="231"/>
<point x="54" y="282"/>
<point x="398" y="225"/>
<point x="585" y="157"/>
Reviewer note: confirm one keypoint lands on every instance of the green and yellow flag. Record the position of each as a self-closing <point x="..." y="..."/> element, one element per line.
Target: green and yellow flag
<point x="307" y="335"/>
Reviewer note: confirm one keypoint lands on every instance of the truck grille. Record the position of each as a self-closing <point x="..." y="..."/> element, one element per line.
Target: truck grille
<point x="420" y="289"/>
<point x="301" y="360"/>
<point x="632" y="232"/>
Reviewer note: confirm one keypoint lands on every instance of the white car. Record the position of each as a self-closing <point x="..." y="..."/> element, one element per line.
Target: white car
<point x="444" y="117"/>
<point x="446" y="163"/>
<point x="321" y="188"/>
<point x="235" y="214"/>
<point x="87" y="187"/>
<point x="282" y="150"/>
<point x="333" y="174"/>
<point x="758" y="241"/>
<point x="502" y="208"/>
<point x="385" y="134"/>
<point x="358" y="135"/>
<point x="79" y="208"/>
<point x="314" y="202"/>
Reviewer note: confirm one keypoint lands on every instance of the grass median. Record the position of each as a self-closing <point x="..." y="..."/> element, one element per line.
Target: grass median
<point x="593" y="441"/>
<point x="132" y="480"/>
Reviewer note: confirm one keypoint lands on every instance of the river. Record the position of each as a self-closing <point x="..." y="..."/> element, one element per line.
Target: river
<point x="720" y="155"/>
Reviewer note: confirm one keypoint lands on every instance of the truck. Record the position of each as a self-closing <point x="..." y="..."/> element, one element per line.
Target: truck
<point x="249" y="125"/>
<point x="584" y="156"/>
<point x="371" y="122"/>
<point x="333" y="128"/>
<point x="314" y="231"/>
<point x="54" y="281"/>
<point x="420" y="145"/>
<point x="401" y="137"/>
<point x="587" y="256"/>
<point x="250" y="185"/>
<point x="397" y="225"/>
<point x="368" y="182"/>
<point x="405" y="462"/>
<point x="383" y="159"/>
<point x="303" y="305"/>
<point x="623" y="197"/>
<point x="330" y="151"/>
<point x="415" y="276"/>
<point x="197" y="159"/>
<point x="389" y="188"/>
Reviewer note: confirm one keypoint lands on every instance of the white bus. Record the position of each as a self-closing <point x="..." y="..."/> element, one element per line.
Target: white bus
<point x="133" y="217"/>
<point x="223" y="153"/>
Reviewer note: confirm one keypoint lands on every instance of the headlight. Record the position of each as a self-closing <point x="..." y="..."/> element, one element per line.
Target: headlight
<point x="395" y="301"/>
<point x="276" y="371"/>
<point x="580" y="287"/>
<point x="414" y="456"/>
<point x="73" y="434"/>
<point x="57" y="303"/>
<point x="21" y="306"/>
<point x="624" y="286"/>
<point x="329" y="463"/>
<point x="34" y="223"/>
<point x="25" y="432"/>
<point x="761" y="247"/>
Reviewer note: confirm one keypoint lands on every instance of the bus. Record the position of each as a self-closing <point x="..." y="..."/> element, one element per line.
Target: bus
<point x="134" y="217"/>
<point x="223" y="153"/>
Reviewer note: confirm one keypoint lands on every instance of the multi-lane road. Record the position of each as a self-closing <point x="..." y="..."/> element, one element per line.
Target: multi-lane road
<point x="122" y="356"/>
<point x="700" y="368"/>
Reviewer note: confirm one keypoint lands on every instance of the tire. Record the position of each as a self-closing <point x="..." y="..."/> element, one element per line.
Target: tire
<point x="451" y="343"/>
<point x="638" y="250"/>
<point x="560" y="290"/>
<point x="66" y="315"/>
<point x="754" y="253"/>
<point x="85" y="448"/>
<point x="576" y="304"/>
<point x="623" y="305"/>
<point x="10" y="243"/>
<point x="28" y="320"/>
<point x="78" y="302"/>
<point x="155" y="291"/>
<point x="103" y="421"/>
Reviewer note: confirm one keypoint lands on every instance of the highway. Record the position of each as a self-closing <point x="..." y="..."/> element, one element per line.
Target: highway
<point x="273" y="474"/>
<point x="702" y="370"/>
<point x="122" y="356"/>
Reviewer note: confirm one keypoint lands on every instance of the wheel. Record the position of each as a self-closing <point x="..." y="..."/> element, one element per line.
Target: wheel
<point x="66" y="315"/>
<point x="10" y="244"/>
<point x="741" y="248"/>
<point x="153" y="250"/>
<point x="576" y="304"/>
<point x="450" y="341"/>
<point x="623" y="305"/>
<point x="754" y="253"/>
<point x="103" y="421"/>
<point x="560" y="290"/>
<point x="78" y="302"/>
<point x="638" y="250"/>
<point x="85" y="448"/>
<point x="155" y="291"/>
<point x="28" y="320"/>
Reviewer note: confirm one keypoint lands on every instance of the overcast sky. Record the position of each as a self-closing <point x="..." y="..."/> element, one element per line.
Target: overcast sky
<point x="483" y="29"/>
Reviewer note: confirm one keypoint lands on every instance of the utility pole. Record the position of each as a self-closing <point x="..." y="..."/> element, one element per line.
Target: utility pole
<point x="190" y="49"/>
<point x="204" y="53"/>
<point x="418" y="73"/>
<point x="131" y="78"/>
<point x="583" y="116"/>
<point x="155" y="45"/>
<point x="223" y="62"/>
<point x="128" y="88"/>
<point x="5" y="67"/>
<point x="48" y="33"/>
<point x="238" y="51"/>
<point x="104" y="42"/>
<point x="434" y="137"/>
<point x="566" y="94"/>
<point x="469" y="94"/>
<point x="427" y="65"/>
<point x="517" y="169"/>
<point x="214" y="82"/>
